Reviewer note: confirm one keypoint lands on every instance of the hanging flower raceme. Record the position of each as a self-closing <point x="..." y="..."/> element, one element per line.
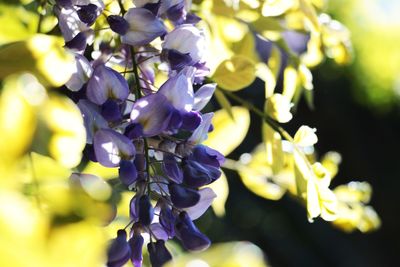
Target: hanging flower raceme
<point x="152" y="135"/>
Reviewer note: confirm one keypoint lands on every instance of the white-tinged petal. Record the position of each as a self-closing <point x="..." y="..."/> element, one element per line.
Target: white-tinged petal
<point x="203" y="96"/>
<point x="207" y="196"/>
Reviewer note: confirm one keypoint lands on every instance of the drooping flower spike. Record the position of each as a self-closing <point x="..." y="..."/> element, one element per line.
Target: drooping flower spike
<point x="152" y="135"/>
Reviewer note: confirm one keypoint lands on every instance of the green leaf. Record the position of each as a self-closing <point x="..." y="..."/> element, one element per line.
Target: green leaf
<point x="235" y="74"/>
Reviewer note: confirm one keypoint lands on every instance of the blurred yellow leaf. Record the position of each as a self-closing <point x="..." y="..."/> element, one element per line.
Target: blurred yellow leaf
<point x="264" y="73"/>
<point x="273" y="148"/>
<point x="62" y="118"/>
<point x="234" y="254"/>
<point x="309" y="12"/>
<point x="221" y="189"/>
<point x="16" y="22"/>
<point x="17" y="116"/>
<point x="290" y="82"/>
<point x="278" y="107"/>
<point x="305" y="136"/>
<point x="353" y="213"/>
<point x="277" y="7"/>
<point x="235" y="74"/>
<point x="223" y="101"/>
<point x="228" y="133"/>
<point x="92" y="185"/>
<point x="312" y="186"/>
<point x="23" y="231"/>
<point x="43" y="56"/>
<point x="331" y="161"/>
<point x="77" y="244"/>
<point x="99" y="170"/>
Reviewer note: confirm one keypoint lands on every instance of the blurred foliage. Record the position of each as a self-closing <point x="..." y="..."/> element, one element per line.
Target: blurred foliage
<point x="51" y="216"/>
<point x="374" y="29"/>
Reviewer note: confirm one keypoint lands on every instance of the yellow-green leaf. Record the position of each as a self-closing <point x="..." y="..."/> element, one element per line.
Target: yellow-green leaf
<point x="237" y="254"/>
<point x="43" y="56"/>
<point x="235" y="74"/>
<point x="224" y="102"/>
<point x="273" y="148"/>
<point x="221" y="189"/>
<point x="16" y="22"/>
<point x="228" y="133"/>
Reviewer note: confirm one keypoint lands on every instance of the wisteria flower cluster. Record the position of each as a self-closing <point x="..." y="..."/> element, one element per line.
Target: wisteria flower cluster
<point x="153" y="135"/>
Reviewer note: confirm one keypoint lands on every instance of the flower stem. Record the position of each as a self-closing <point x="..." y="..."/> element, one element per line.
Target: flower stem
<point x="274" y="125"/>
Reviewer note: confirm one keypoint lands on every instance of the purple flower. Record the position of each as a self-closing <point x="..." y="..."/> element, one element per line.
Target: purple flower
<point x="207" y="196"/>
<point x="118" y="252"/>
<point x="133" y="208"/>
<point x="167" y="220"/>
<point x="192" y="239"/>
<point x="79" y="42"/>
<point x="203" y="96"/>
<point x="176" y="59"/>
<point x="106" y="83"/>
<point x="111" y="111"/>
<point x="159" y="254"/>
<point x="92" y="119"/>
<point x="136" y="246"/>
<point x="153" y="112"/>
<point x="111" y="147"/>
<point x="183" y="197"/>
<point x="177" y="13"/>
<point x="172" y="169"/>
<point x="88" y="13"/>
<point x="179" y="89"/>
<point x="144" y="27"/>
<point x="81" y="75"/>
<point x="127" y="172"/>
<point x="69" y="23"/>
<point x="118" y="24"/>
<point x="196" y="174"/>
<point x="190" y="120"/>
<point x="186" y="39"/>
<point x="206" y="155"/>
<point x="200" y="134"/>
<point x="158" y="231"/>
<point x="145" y="210"/>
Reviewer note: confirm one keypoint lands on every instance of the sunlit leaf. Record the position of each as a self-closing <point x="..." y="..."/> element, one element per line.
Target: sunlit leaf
<point x="238" y="254"/>
<point x="18" y="115"/>
<point x="290" y="82"/>
<point x="17" y="23"/>
<point x="63" y="120"/>
<point x="265" y="74"/>
<point x="277" y="7"/>
<point x="278" y="107"/>
<point x="305" y="136"/>
<point x="235" y="74"/>
<point x="273" y="148"/>
<point x="309" y="11"/>
<point x="99" y="170"/>
<point x="223" y="101"/>
<point x="228" y="133"/>
<point x="43" y="55"/>
<point x="331" y="161"/>
<point x="258" y="176"/>
<point x="220" y="188"/>
<point x="353" y="213"/>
